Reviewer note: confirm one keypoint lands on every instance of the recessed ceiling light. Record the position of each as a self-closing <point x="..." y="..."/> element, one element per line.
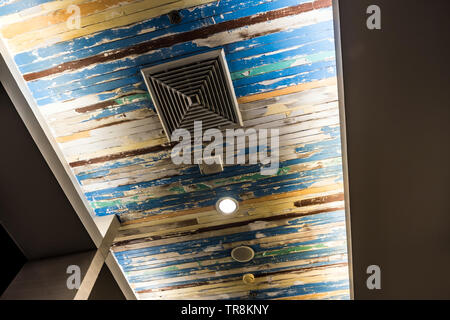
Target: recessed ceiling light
<point x="227" y="206"/>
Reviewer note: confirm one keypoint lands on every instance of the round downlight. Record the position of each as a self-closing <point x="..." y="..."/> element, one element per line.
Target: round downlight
<point x="227" y="206"/>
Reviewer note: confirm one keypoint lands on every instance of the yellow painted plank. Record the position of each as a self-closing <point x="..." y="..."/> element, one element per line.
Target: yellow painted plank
<point x="298" y="193"/>
<point x="40" y="10"/>
<point x="307" y="234"/>
<point x="277" y="281"/>
<point x="59" y="16"/>
<point x="206" y="263"/>
<point x="333" y="189"/>
<point x="112" y="18"/>
<point x="143" y="234"/>
<point x="288" y="90"/>
<point x="75" y="136"/>
<point x="262" y="210"/>
<point x="249" y="268"/>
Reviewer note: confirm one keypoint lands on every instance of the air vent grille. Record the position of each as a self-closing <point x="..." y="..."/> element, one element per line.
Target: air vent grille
<point x="197" y="88"/>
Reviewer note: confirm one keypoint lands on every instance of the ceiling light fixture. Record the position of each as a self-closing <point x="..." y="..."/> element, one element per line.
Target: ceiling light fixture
<point x="227" y="206"/>
<point x="248" y="278"/>
<point x="242" y="254"/>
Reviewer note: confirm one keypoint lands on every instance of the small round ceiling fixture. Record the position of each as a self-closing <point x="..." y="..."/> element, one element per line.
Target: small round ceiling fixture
<point x="242" y="254"/>
<point x="227" y="206"/>
<point x="248" y="278"/>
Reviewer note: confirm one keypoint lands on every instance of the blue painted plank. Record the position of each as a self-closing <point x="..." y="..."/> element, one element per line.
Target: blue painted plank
<point x="303" y="34"/>
<point x="136" y="82"/>
<point x="234" y="265"/>
<point x="327" y="148"/>
<point x="183" y="50"/>
<point x="129" y="260"/>
<point x="149" y="161"/>
<point x="44" y="88"/>
<point x="278" y="74"/>
<point x="314" y="75"/>
<point x="239" y="275"/>
<point x="198" y="199"/>
<point x="192" y="246"/>
<point x="124" y="37"/>
<point x="261" y="58"/>
<point x="21" y="5"/>
<point x="295" y="38"/>
<point x="161" y="22"/>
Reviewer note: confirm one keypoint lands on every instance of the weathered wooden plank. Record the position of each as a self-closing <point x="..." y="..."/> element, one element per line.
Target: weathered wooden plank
<point x="257" y="21"/>
<point x="143" y="242"/>
<point x="74" y="49"/>
<point x="326" y="147"/>
<point x="159" y="159"/>
<point x="179" y="277"/>
<point x="107" y="19"/>
<point x="288" y="90"/>
<point x="85" y="140"/>
<point x="17" y="6"/>
<point x="172" y="253"/>
<point x="214" y="249"/>
<point x="5" y="2"/>
<point x="205" y="200"/>
<point x="252" y="232"/>
<point x="235" y="281"/>
<point x="290" y="125"/>
<point x="303" y="56"/>
<point x="226" y="264"/>
<point x="262" y="53"/>
<point x="191" y="180"/>
<point x="283" y="274"/>
<point x="59" y="16"/>
<point x="97" y="92"/>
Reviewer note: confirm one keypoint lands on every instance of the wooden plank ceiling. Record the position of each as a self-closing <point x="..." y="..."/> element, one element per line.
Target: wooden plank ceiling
<point x="172" y="243"/>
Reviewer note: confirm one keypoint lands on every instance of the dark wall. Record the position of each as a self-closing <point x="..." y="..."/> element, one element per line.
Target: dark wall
<point x="33" y="208"/>
<point x="106" y="287"/>
<point x="397" y="100"/>
<point x="46" y="279"/>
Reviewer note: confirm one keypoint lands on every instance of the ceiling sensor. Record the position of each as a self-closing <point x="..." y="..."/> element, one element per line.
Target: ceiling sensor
<point x="242" y="254"/>
<point x="196" y="88"/>
<point x="227" y="206"/>
<point x="210" y="165"/>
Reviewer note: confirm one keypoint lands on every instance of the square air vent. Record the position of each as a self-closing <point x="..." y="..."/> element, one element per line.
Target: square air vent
<point x="197" y="88"/>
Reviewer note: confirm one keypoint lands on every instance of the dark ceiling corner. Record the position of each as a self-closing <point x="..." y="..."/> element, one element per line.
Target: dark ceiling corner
<point x="14" y="262"/>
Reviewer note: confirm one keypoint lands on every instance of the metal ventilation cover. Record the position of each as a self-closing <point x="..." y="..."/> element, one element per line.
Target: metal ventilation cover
<point x="197" y="88"/>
